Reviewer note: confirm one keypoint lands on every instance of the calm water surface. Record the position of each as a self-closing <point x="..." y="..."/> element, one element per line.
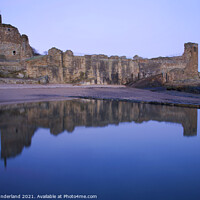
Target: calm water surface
<point x="116" y="150"/>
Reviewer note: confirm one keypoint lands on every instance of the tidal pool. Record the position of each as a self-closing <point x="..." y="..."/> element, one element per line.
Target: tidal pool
<point x="112" y="149"/>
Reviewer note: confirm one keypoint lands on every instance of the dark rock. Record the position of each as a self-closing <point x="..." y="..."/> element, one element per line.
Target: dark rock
<point x="43" y="80"/>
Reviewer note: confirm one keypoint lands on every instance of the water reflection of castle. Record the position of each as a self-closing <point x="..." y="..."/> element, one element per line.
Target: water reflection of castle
<point x="19" y="122"/>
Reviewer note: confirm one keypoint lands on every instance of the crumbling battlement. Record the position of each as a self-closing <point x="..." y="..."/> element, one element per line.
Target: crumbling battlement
<point x="13" y="46"/>
<point x="65" y="67"/>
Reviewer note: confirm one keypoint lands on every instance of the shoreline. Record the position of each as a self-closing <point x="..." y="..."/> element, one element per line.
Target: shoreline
<point x="16" y="94"/>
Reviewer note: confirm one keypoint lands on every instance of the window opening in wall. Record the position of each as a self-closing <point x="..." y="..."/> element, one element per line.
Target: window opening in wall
<point x="195" y="49"/>
<point x="8" y="29"/>
<point x="14" y="52"/>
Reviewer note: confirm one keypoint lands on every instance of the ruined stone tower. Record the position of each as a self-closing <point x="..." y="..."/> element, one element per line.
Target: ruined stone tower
<point x="191" y="56"/>
<point x="13" y="46"/>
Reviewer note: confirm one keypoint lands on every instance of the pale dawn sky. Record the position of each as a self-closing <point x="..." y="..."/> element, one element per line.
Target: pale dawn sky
<point x="148" y="28"/>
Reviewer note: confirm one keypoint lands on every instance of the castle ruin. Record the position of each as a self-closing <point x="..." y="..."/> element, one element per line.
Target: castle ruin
<point x="18" y="64"/>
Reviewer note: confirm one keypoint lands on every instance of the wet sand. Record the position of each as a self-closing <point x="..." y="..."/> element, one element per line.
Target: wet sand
<point x="12" y="94"/>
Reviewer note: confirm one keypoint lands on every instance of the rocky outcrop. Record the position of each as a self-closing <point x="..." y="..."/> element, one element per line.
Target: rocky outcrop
<point x="152" y="81"/>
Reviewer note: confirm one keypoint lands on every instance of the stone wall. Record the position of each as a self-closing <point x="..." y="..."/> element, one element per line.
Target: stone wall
<point x="49" y="65"/>
<point x="65" y="67"/>
<point x="98" y="69"/>
<point x="13" y="46"/>
<point x="10" y="42"/>
<point x="12" y="70"/>
<point x="189" y="63"/>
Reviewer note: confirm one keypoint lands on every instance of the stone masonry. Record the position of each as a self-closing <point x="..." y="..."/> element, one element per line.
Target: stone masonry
<point x="18" y="61"/>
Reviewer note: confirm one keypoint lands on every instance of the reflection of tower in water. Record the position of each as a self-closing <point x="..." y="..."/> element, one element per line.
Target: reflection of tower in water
<point x="2" y="158"/>
<point x="18" y="124"/>
<point x="5" y="162"/>
<point x="14" y="137"/>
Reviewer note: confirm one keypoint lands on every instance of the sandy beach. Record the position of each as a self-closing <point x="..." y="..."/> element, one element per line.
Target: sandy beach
<point x="12" y="94"/>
